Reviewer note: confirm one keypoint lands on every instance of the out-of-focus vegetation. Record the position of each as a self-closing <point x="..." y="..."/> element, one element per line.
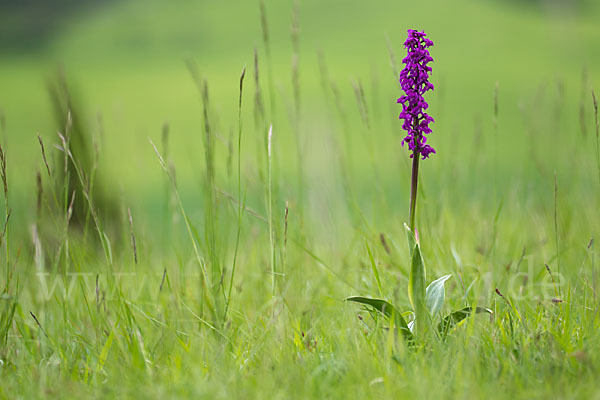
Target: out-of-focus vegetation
<point x="146" y="247"/>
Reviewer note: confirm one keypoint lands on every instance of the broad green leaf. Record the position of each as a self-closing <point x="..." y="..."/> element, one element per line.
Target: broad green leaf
<point x="386" y="309"/>
<point x="416" y="280"/>
<point x="435" y="295"/>
<point x="412" y="241"/>
<point x="416" y="290"/>
<point x="457" y="316"/>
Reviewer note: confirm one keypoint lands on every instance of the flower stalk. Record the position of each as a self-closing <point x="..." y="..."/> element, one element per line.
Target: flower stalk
<point x="413" y="189"/>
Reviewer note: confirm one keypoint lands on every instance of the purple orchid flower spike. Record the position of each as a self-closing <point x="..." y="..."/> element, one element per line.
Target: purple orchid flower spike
<point x="414" y="80"/>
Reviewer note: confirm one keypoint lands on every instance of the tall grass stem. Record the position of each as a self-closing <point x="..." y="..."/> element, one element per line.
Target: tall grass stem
<point x="270" y="208"/>
<point x="240" y="203"/>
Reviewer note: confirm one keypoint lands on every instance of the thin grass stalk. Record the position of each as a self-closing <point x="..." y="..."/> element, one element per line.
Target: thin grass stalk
<point x="590" y="248"/>
<point x="270" y="210"/>
<point x="50" y="174"/>
<point x="64" y="246"/>
<point x="39" y="197"/>
<point x="240" y="203"/>
<point x="582" y="116"/>
<point x="496" y="106"/>
<point x="295" y="33"/>
<point x="132" y="237"/>
<point x="91" y="185"/>
<point x="167" y="191"/>
<point x="66" y="142"/>
<point x="496" y="132"/>
<point x="211" y="206"/>
<point x="2" y="126"/>
<point x="259" y="110"/>
<point x="597" y="132"/>
<point x="285" y="238"/>
<point x="295" y="36"/>
<point x="556" y="222"/>
<point x="260" y="121"/>
<point x="5" y="234"/>
<point x="6" y="318"/>
<point x="267" y="43"/>
<point x="66" y="146"/>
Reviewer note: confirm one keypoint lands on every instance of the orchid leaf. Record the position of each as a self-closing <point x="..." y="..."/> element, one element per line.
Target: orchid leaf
<point x="435" y="295"/>
<point x="416" y="282"/>
<point x="411" y="326"/>
<point x="386" y="309"/>
<point x="456" y="317"/>
<point x="412" y="241"/>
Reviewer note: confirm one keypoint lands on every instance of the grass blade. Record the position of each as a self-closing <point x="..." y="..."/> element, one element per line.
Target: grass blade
<point x="374" y="268"/>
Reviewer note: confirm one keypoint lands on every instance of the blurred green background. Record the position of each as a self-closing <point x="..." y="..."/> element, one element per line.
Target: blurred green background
<point x="125" y="62"/>
<point x="514" y="187"/>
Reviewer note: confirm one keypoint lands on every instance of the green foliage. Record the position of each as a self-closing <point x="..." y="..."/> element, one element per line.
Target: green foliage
<point x="416" y="288"/>
<point x="435" y="295"/>
<point x="411" y="240"/>
<point x="388" y="310"/>
<point x="426" y="302"/>
<point x="458" y="316"/>
<point x="8" y="305"/>
<point x="87" y="321"/>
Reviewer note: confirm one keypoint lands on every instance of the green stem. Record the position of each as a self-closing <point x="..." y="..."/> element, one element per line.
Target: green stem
<point x="597" y="132"/>
<point x="270" y="211"/>
<point x="240" y="203"/>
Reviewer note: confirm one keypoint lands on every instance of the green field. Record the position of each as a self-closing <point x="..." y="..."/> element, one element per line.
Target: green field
<point x="206" y="268"/>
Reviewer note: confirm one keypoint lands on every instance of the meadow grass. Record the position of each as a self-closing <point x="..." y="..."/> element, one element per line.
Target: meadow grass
<point x="228" y="280"/>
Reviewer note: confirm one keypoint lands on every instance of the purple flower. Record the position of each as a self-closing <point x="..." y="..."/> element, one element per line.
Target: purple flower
<point x="414" y="80"/>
